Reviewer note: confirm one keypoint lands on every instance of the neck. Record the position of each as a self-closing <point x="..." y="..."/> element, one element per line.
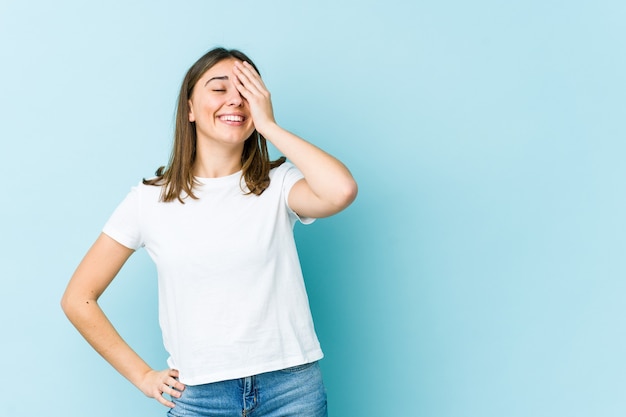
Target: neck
<point x="217" y="161"/>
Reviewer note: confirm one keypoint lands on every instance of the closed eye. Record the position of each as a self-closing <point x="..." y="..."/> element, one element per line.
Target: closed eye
<point x="219" y="91"/>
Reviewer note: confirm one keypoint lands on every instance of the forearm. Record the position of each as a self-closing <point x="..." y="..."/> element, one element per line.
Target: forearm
<point x="328" y="187"/>
<point x="327" y="177"/>
<point x="95" y="327"/>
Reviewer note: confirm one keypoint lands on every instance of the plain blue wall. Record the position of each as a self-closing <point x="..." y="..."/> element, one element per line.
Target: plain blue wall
<point x="481" y="271"/>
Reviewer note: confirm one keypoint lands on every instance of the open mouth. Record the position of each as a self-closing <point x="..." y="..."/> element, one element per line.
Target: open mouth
<point x="232" y="118"/>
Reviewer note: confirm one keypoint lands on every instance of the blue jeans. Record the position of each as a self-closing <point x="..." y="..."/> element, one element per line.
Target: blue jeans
<point x="297" y="391"/>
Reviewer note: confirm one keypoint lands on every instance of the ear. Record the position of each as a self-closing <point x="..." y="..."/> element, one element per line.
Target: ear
<point x="192" y="118"/>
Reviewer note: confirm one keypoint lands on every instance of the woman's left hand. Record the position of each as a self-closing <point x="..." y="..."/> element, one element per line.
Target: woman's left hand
<point x="252" y="88"/>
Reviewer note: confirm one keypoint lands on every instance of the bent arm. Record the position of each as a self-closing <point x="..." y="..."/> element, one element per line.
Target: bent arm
<point x="328" y="186"/>
<point x="80" y="303"/>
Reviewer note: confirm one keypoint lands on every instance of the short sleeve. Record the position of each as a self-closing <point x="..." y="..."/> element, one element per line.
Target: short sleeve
<point x="291" y="176"/>
<point x="123" y="226"/>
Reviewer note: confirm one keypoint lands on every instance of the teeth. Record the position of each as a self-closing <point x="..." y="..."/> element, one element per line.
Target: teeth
<point x="231" y="118"/>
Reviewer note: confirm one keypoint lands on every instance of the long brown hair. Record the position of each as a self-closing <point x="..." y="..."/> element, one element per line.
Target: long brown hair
<point x="178" y="179"/>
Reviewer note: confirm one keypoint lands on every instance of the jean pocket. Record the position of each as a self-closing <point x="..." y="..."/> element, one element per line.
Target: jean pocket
<point x="299" y="368"/>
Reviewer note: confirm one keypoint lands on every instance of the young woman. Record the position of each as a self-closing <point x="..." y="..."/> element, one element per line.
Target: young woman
<point x="218" y="223"/>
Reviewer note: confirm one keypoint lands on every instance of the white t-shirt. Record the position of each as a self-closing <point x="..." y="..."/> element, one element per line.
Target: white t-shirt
<point x="232" y="300"/>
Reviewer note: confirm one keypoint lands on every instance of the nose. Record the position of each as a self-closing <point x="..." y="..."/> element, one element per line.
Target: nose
<point x="234" y="97"/>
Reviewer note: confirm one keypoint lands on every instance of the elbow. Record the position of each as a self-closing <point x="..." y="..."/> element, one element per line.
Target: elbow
<point x="66" y="304"/>
<point x="351" y="192"/>
<point x="347" y="193"/>
<point x="70" y="305"/>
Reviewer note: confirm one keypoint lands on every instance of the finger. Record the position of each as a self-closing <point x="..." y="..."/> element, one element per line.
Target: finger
<point x="171" y="391"/>
<point x="173" y="388"/>
<point x="239" y="82"/>
<point x="249" y="70"/>
<point x="161" y="399"/>
<point x="240" y="86"/>
<point x="173" y="381"/>
<point x="165" y="402"/>
<point x="244" y="85"/>
<point x="255" y="75"/>
<point x="250" y="78"/>
<point x="177" y="385"/>
<point x="248" y="95"/>
<point x="252" y="94"/>
<point x="246" y="69"/>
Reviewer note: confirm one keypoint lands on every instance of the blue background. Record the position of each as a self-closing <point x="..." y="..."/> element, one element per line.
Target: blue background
<point x="480" y="271"/>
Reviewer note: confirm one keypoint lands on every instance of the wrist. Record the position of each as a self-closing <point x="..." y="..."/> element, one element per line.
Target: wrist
<point x="141" y="377"/>
<point x="267" y="130"/>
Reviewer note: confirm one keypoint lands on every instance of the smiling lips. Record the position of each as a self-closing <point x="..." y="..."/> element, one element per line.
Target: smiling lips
<point x="233" y="118"/>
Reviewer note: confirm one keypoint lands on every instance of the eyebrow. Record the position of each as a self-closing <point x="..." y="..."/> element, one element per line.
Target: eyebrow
<point x="222" y="77"/>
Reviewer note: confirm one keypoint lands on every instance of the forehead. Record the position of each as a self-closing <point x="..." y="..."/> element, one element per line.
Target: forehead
<point x="222" y="68"/>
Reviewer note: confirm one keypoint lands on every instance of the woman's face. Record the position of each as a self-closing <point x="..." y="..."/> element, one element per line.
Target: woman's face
<point x="221" y="114"/>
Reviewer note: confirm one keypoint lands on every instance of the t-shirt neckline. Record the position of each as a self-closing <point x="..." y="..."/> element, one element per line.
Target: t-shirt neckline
<point x="218" y="180"/>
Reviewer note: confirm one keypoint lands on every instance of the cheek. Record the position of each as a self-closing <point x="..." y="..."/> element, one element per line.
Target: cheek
<point x="210" y="104"/>
<point x="202" y="108"/>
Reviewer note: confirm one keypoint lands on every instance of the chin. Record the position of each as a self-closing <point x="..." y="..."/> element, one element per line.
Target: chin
<point x="236" y="140"/>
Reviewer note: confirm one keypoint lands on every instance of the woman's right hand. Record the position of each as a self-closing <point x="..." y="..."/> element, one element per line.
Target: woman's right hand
<point x="157" y="383"/>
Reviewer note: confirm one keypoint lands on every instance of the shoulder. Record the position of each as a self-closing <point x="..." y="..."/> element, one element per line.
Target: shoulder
<point x="282" y="168"/>
<point x="148" y="186"/>
<point x="144" y="192"/>
<point x="285" y="170"/>
<point x="285" y="176"/>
